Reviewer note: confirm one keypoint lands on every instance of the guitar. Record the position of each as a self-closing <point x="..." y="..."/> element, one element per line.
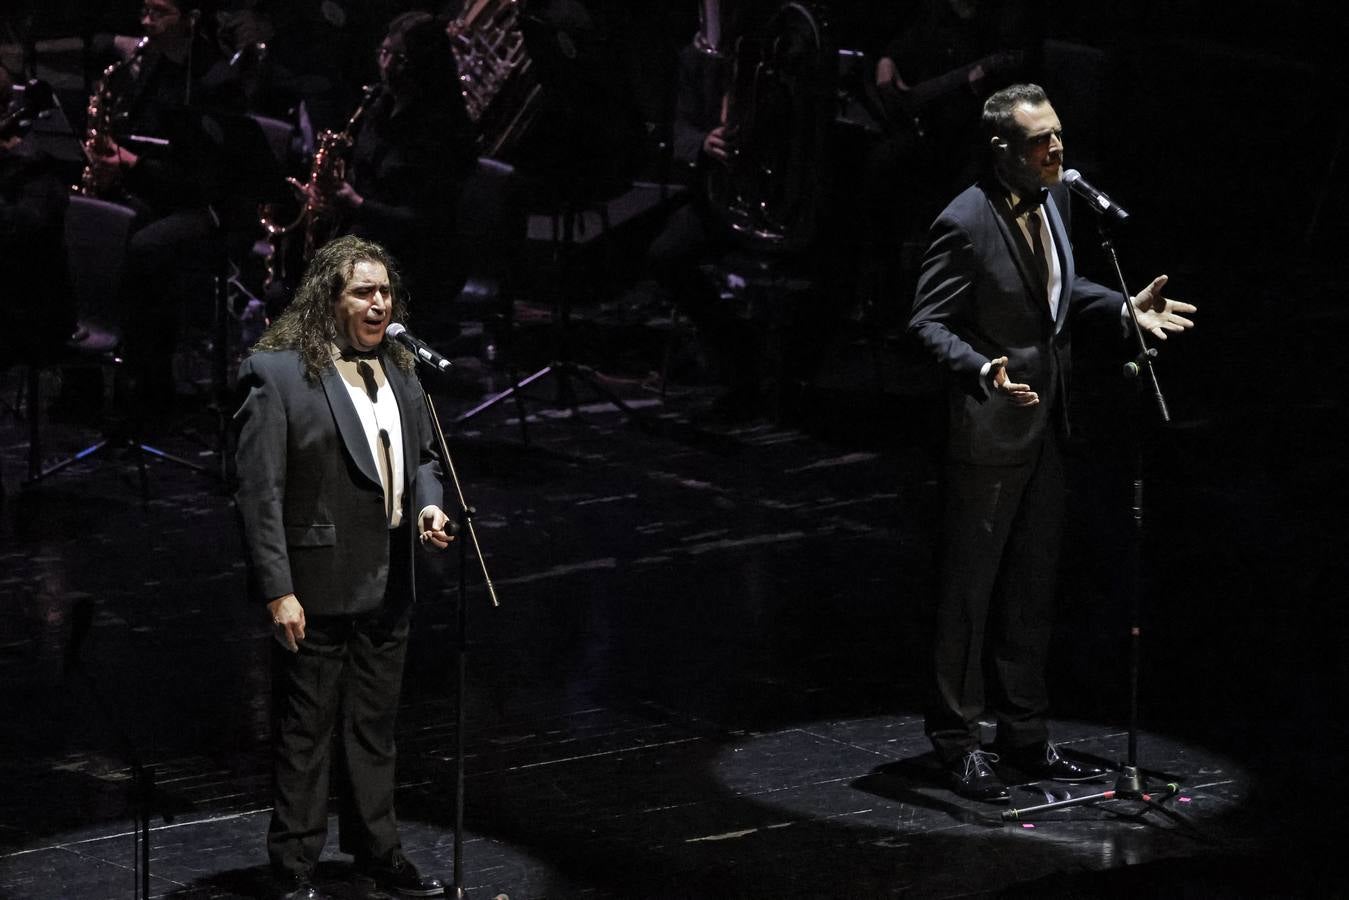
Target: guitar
<point x="907" y="106"/>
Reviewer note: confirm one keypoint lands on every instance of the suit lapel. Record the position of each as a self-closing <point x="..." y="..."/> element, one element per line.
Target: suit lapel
<point x="404" y="390"/>
<point x="349" y="424"/>
<point x="1066" y="270"/>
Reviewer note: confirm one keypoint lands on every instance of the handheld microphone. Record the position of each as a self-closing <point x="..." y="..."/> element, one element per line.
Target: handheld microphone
<point x="1099" y="200"/>
<point x="424" y="354"/>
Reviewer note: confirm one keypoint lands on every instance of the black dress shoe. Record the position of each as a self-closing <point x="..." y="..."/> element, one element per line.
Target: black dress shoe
<point x="397" y="875"/>
<point x="298" y="887"/>
<point x="973" y="778"/>
<point x="1044" y="762"/>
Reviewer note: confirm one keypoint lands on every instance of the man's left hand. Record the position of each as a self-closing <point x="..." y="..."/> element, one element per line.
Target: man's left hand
<point x="1157" y="314"/>
<point x="434" y="529"/>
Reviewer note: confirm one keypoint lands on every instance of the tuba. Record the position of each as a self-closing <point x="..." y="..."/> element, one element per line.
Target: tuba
<point x="103" y="107"/>
<point x="327" y="171"/>
<point x="496" y="76"/>
<point x="778" y="113"/>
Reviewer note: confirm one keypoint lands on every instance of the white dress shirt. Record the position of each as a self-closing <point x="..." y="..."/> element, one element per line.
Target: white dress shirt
<point x="382" y="423"/>
<point x="1055" y="273"/>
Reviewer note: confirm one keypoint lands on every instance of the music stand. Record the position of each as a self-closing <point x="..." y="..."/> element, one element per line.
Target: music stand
<point x="581" y="166"/>
<point x="234" y="143"/>
<point x="147" y="799"/>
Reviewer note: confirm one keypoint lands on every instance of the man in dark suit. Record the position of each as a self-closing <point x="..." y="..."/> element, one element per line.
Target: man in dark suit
<point x="995" y="306"/>
<point x="338" y="480"/>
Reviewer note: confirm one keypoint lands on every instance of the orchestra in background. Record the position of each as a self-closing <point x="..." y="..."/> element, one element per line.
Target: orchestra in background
<point x="789" y="141"/>
<point x="320" y="159"/>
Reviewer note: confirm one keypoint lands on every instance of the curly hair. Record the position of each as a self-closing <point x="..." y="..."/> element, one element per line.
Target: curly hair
<point x="309" y="326"/>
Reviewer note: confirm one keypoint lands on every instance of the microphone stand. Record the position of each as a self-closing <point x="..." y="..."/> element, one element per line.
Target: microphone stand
<point x="146" y="798"/>
<point x="466" y="530"/>
<point x="1130" y="785"/>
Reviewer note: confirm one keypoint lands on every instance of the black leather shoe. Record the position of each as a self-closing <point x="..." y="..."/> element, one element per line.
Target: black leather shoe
<point x="397" y="875"/>
<point x="973" y="778"/>
<point x="298" y="887"/>
<point x="1044" y="762"/>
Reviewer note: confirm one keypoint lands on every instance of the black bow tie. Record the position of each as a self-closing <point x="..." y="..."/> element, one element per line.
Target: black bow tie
<point x="1031" y="203"/>
<point x="351" y="353"/>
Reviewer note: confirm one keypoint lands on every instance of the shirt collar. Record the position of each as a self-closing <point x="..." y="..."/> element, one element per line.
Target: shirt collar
<point x="1022" y="206"/>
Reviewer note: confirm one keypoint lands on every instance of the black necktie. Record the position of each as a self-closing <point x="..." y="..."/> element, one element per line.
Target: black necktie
<point x="367" y="373"/>
<point x="1037" y="246"/>
<point x="385" y="451"/>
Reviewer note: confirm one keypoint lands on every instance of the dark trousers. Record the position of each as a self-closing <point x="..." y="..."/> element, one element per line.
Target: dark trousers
<point x="1002" y="531"/>
<point x="689" y="237"/>
<point x="170" y="261"/>
<point x="346" y="679"/>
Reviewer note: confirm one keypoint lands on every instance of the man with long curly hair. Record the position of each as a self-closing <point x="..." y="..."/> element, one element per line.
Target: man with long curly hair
<point x="337" y="473"/>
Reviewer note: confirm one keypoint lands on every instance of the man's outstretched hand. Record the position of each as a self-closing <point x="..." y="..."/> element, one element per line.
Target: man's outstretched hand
<point x="1157" y="314"/>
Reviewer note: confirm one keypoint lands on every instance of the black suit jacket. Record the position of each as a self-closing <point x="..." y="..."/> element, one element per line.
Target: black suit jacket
<point x="979" y="297"/>
<point x="309" y="494"/>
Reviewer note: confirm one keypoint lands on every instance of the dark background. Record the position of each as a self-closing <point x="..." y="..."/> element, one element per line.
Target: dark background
<point x="1221" y="127"/>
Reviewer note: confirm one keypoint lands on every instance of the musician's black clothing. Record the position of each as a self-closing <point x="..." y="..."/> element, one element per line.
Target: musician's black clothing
<point x="409" y="165"/>
<point x="39" y="313"/>
<point x="176" y="188"/>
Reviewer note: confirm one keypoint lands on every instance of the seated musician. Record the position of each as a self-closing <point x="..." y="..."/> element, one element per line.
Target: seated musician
<point x="145" y="158"/>
<point x="413" y="151"/>
<point x="288" y="53"/>
<point x="932" y="80"/>
<point x="692" y="233"/>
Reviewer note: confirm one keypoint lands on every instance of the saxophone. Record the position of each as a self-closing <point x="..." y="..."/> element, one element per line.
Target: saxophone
<point x="99" y="117"/>
<point x="327" y="171"/>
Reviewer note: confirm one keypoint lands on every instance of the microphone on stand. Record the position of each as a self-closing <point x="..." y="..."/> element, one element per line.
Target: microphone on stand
<point x="1099" y="200"/>
<point x="424" y="353"/>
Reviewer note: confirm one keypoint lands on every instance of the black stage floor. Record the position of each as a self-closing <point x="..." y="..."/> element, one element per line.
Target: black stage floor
<point x="704" y="678"/>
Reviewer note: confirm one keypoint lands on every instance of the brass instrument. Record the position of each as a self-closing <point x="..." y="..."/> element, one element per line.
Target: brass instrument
<point x="501" y="91"/>
<point x="327" y="171"/>
<point x="778" y="114"/>
<point x="711" y="37"/>
<point x="99" y="119"/>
